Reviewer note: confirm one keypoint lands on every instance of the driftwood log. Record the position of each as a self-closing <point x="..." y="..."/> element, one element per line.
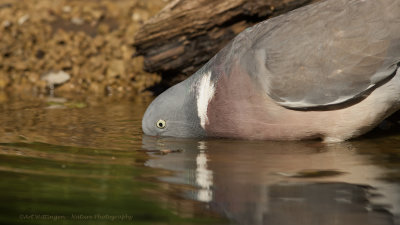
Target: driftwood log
<point x="187" y="33"/>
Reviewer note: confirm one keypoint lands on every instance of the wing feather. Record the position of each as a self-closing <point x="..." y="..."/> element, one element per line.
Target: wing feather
<point x="325" y="53"/>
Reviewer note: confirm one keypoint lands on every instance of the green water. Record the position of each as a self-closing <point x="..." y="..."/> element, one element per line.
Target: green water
<point x="83" y="165"/>
<point x="86" y="161"/>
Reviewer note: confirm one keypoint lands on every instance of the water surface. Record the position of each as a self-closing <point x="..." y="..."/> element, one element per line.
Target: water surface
<point x="72" y="161"/>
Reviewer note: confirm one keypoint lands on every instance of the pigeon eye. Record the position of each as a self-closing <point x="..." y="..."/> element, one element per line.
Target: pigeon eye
<point x="161" y="124"/>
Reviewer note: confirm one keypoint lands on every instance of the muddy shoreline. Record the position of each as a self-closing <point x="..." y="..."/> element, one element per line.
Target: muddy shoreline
<point x="90" y="41"/>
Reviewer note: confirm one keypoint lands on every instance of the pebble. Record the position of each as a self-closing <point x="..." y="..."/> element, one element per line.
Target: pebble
<point x="56" y="78"/>
<point x="23" y="19"/>
<point x="67" y="9"/>
<point x="77" y="21"/>
<point x="6" y="24"/>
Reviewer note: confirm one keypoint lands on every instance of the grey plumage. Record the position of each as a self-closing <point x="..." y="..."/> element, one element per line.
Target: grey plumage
<point x="324" y="53"/>
<point x="329" y="70"/>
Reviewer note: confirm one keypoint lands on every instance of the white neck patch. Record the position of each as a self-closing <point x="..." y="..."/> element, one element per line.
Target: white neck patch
<point x="205" y="92"/>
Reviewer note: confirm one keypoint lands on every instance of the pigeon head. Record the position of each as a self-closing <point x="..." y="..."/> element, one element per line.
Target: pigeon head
<point x="174" y="113"/>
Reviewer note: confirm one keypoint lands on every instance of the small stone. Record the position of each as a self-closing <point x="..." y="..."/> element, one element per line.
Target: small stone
<point x="97" y="14"/>
<point x="23" y="19"/>
<point x="140" y="15"/>
<point x="136" y="17"/>
<point x="103" y="28"/>
<point x="56" y="78"/>
<point x="7" y="24"/>
<point x="77" y="21"/>
<point x="67" y="9"/>
<point x="116" y="68"/>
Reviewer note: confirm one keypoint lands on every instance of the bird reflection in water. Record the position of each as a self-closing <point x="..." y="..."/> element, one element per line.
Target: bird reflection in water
<point x="258" y="182"/>
<point x="204" y="176"/>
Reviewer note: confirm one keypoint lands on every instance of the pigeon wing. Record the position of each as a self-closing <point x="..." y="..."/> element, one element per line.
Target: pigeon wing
<point x="325" y="53"/>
